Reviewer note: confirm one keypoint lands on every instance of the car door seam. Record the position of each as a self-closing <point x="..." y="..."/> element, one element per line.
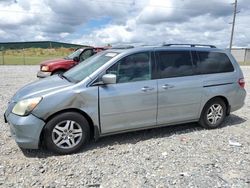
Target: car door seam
<point x="99" y="117"/>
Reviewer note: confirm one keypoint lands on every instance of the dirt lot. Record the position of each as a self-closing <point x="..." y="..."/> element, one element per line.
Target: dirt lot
<point x="176" y="156"/>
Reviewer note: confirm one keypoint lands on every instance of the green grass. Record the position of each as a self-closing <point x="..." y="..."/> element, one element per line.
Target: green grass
<point x="245" y="63"/>
<point x="28" y="60"/>
<point x="31" y="56"/>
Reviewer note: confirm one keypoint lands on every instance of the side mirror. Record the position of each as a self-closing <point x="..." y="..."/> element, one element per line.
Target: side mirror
<point x="109" y="79"/>
<point x="76" y="59"/>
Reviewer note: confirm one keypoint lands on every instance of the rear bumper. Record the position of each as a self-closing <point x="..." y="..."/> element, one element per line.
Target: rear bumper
<point x="239" y="100"/>
<point x="41" y="74"/>
<point x="26" y="130"/>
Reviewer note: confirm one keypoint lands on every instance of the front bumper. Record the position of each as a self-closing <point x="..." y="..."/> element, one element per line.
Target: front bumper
<point x="26" y="130"/>
<point x="42" y="74"/>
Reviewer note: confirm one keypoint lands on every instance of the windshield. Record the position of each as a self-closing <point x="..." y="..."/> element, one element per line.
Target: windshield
<point x="74" y="54"/>
<point x="87" y="67"/>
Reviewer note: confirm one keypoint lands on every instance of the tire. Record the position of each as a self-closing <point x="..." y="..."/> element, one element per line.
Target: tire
<point x="213" y="114"/>
<point x="58" y="72"/>
<point x="66" y="133"/>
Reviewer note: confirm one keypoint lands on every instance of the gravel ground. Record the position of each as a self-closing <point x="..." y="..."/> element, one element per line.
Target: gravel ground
<point x="176" y="156"/>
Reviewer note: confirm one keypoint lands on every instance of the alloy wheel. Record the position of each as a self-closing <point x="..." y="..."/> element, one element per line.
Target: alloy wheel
<point x="67" y="134"/>
<point x="214" y="114"/>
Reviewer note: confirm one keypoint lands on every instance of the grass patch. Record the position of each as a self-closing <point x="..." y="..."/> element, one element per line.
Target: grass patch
<point x="247" y="63"/>
<point x="32" y="56"/>
<point x="27" y="60"/>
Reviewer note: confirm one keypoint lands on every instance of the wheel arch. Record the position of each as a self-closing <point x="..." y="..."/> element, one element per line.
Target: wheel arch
<point x="223" y="98"/>
<point x="94" y="131"/>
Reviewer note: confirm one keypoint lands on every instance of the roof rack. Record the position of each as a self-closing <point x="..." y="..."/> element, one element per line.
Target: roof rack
<point x="191" y="45"/>
<point x="148" y="45"/>
<point x="122" y="47"/>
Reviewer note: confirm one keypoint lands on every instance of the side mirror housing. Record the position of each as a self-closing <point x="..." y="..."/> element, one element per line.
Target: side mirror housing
<point x="76" y="59"/>
<point x="109" y="79"/>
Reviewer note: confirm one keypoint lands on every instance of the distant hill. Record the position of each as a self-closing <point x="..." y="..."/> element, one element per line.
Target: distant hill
<point x="37" y="44"/>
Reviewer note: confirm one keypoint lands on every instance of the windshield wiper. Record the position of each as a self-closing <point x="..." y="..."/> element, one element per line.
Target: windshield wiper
<point x="64" y="77"/>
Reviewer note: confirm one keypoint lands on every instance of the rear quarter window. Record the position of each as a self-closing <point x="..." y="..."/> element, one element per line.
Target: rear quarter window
<point x="213" y="62"/>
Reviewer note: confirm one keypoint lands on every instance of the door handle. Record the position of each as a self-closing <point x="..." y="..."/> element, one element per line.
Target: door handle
<point x="146" y="88"/>
<point x="167" y="86"/>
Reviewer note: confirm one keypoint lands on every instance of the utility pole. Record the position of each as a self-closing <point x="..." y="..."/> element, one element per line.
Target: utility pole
<point x="232" y="32"/>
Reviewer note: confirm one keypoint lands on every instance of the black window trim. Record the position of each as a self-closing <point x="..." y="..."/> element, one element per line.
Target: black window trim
<point x="154" y="65"/>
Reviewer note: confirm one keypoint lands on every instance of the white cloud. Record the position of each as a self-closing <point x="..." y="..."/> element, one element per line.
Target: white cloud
<point x="64" y="34"/>
<point x="2" y="32"/>
<point x="138" y="22"/>
<point x="156" y="11"/>
<point x="40" y="38"/>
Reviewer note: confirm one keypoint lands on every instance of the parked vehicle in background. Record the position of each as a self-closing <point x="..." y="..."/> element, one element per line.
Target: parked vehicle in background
<point x="59" y="66"/>
<point x="122" y="90"/>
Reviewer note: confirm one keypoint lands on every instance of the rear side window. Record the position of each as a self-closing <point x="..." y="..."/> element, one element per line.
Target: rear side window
<point x="213" y="62"/>
<point x="174" y="63"/>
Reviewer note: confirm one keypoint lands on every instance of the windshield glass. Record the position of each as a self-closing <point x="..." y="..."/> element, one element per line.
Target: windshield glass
<point x="74" y="54"/>
<point x="87" y="67"/>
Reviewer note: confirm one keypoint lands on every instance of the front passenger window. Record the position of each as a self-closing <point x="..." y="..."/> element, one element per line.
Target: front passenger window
<point x="136" y="67"/>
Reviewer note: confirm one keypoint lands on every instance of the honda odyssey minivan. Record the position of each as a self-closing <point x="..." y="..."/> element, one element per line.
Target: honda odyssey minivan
<point x="121" y="90"/>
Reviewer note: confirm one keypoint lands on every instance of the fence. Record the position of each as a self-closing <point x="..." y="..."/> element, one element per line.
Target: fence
<point x="31" y="56"/>
<point x="38" y="44"/>
<point x="242" y="55"/>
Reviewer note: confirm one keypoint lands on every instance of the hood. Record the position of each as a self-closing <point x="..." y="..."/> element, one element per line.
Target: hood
<point x="55" y="61"/>
<point x="41" y="87"/>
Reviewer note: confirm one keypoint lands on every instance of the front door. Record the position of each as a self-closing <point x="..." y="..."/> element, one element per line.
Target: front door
<point x="131" y="103"/>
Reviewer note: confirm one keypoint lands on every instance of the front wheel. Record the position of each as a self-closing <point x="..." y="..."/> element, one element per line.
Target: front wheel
<point x="213" y="114"/>
<point x="66" y="133"/>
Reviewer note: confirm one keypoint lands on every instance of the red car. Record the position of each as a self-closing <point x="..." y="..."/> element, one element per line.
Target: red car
<point x="59" y="66"/>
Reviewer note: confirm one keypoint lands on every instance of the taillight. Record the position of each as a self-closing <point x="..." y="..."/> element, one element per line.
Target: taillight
<point x="241" y="82"/>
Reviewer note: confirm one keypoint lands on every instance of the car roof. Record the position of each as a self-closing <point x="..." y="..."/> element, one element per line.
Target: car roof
<point x="170" y="48"/>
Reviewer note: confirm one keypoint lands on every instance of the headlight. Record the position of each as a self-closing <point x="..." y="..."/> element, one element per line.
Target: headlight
<point x="24" y="107"/>
<point x="45" y="68"/>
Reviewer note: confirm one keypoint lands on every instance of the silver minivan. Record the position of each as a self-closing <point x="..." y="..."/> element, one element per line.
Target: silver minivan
<point x="121" y="90"/>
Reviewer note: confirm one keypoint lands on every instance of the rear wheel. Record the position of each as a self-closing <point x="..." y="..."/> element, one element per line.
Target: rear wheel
<point x="66" y="133"/>
<point x="213" y="114"/>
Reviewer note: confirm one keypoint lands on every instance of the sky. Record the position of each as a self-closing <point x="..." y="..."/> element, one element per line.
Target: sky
<point x="137" y="22"/>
